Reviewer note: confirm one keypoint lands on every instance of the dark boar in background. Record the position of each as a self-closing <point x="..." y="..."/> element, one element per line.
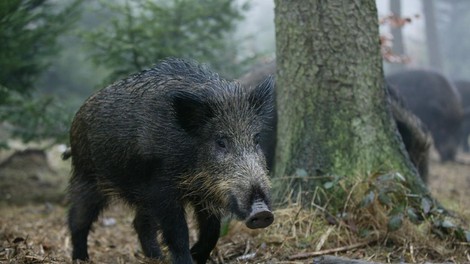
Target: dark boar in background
<point x="464" y="89"/>
<point x="415" y="135"/>
<point x="166" y="137"/>
<point x="268" y="137"/>
<point x="431" y="97"/>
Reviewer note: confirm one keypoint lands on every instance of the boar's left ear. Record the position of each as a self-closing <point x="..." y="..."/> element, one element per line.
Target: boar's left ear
<point x="192" y="110"/>
<point x="262" y="97"/>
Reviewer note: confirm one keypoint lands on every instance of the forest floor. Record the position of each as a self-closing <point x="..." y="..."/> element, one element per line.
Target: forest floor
<point x="37" y="233"/>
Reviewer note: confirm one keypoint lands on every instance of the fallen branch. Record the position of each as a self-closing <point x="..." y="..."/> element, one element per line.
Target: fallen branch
<point x="339" y="260"/>
<point x="329" y="251"/>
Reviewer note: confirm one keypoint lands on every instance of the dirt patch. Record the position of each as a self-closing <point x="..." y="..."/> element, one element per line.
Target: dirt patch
<point x="27" y="176"/>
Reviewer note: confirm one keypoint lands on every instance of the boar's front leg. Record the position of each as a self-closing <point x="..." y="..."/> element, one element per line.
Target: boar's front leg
<point x="209" y="230"/>
<point x="146" y="227"/>
<point x="175" y="232"/>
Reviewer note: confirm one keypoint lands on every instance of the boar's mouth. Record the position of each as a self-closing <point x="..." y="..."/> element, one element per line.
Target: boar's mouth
<point x="258" y="216"/>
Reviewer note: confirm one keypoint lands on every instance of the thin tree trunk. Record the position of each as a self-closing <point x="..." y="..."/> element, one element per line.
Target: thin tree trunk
<point x="398" y="47"/>
<point x="432" y="38"/>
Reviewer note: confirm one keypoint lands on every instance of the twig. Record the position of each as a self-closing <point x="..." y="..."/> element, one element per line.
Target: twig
<point x="331" y="250"/>
<point x="323" y="238"/>
<point x="349" y="197"/>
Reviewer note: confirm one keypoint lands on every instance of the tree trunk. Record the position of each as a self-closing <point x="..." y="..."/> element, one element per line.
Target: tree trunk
<point x="333" y="116"/>
<point x="432" y="39"/>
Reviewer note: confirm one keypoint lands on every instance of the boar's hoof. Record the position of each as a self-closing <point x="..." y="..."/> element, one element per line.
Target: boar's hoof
<point x="260" y="216"/>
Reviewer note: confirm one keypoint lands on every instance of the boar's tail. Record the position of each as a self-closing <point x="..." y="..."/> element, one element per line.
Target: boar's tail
<point x="67" y="154"/>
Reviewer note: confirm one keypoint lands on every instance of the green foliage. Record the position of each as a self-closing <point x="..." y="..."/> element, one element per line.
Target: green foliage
<point x="444" y="227"/>
<point x="395" y="222"/>
<point x="31" y="118"/>
<point x="139" y="33"/>
<point x="225" y="227"/>
<point x="382" y="202"/>
<point x="28" y="31"/>
<point x="399" y="204"/>
<point x="394" y="197"/>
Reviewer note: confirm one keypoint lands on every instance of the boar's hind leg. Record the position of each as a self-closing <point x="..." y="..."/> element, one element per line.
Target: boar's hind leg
<point x="86" y="205"/>
<point x="146" y="228"/>
<point x="209" y="230"/>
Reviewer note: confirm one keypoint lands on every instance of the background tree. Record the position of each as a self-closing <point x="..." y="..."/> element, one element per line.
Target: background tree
<point x="432" y="36"/>
<point x="455" y="47"/>
<point x="44" y="55"/>
<point x="29" y="30"/>
<point x="72" y="76"/>
<point x="398" y="46"/>
<point x="140" y="33"/>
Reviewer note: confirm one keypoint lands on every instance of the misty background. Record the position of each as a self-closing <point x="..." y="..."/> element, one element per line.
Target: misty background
<point x="74" y="76"/>
<point x="96" y="50"/>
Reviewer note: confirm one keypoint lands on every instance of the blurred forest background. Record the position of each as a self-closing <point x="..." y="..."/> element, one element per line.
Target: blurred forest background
<point x="54" y="54"/>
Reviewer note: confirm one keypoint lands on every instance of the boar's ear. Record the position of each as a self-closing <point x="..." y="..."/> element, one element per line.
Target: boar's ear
<point x="192" y="110"/>
<point x="262" y="97"/>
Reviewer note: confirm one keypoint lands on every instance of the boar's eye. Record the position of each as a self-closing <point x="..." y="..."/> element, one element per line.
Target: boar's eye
<point x="221" y="142"/>
<point x="257" y="138"/>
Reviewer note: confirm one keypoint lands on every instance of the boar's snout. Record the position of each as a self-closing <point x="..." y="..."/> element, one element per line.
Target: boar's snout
<point x="260" y="216"/>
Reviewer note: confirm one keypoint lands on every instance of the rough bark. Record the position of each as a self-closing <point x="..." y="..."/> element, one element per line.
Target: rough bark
<point x="333" y="115"/>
